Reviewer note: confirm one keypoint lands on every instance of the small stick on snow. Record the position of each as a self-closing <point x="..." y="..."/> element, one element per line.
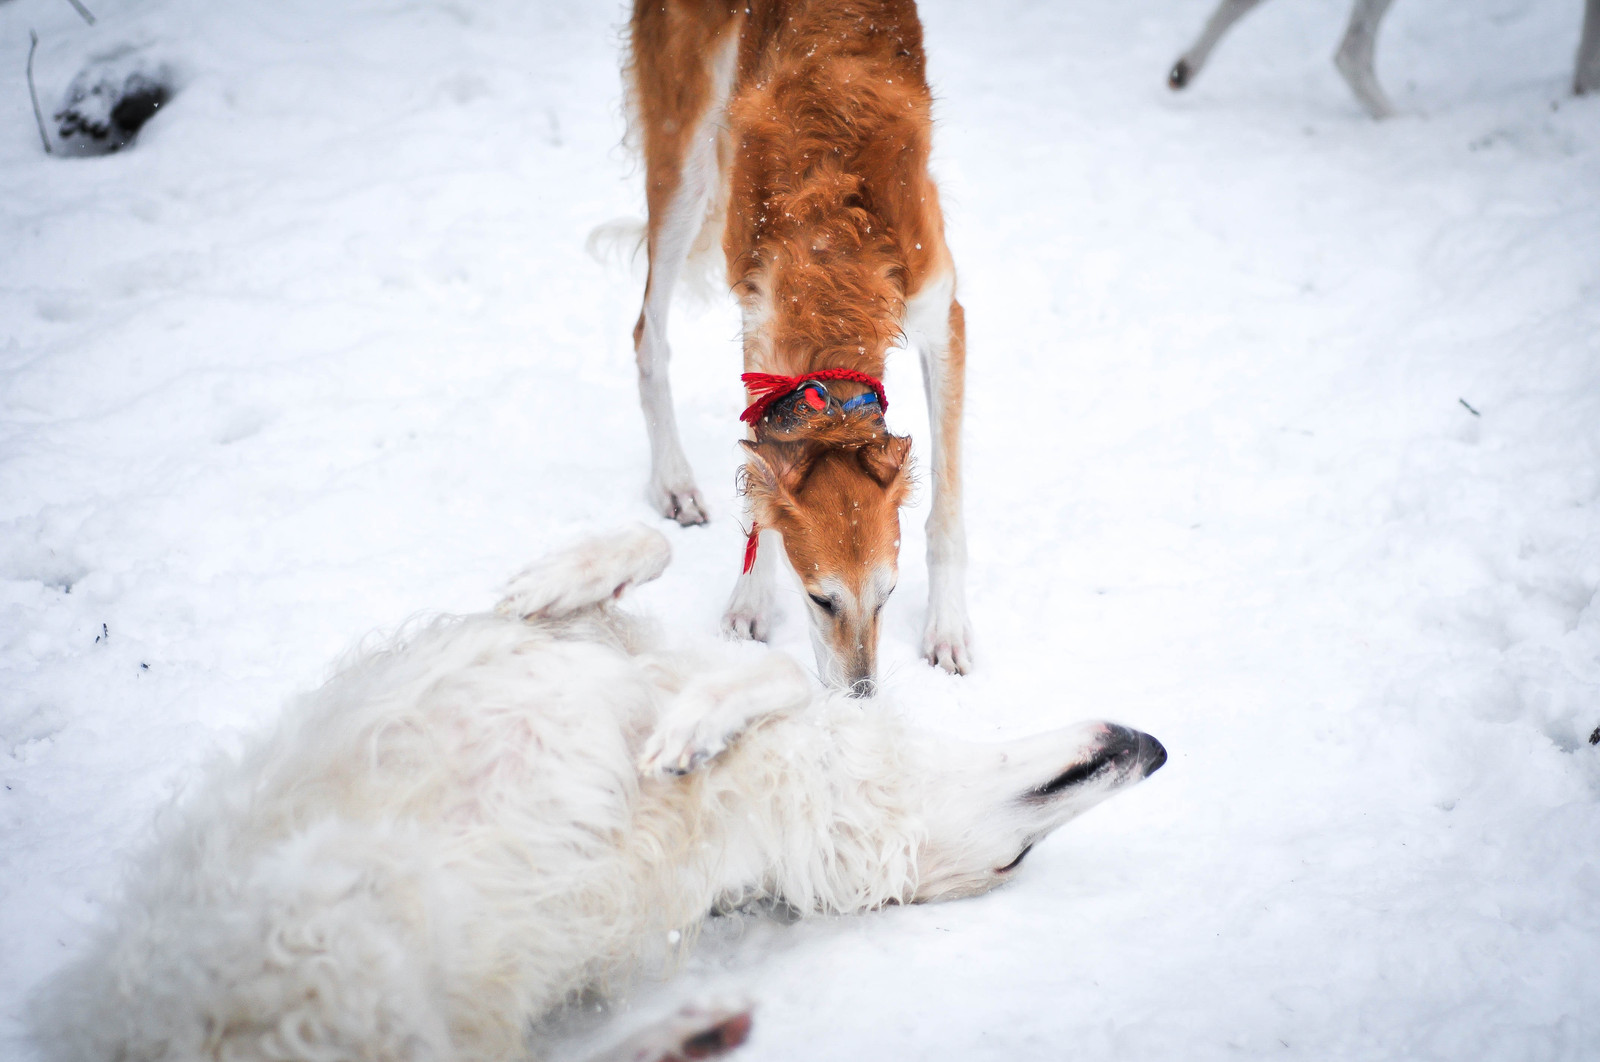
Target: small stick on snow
<point x="1469" y="409"/>
<point x="38" y="115"/>
<point x="80" y="9"/>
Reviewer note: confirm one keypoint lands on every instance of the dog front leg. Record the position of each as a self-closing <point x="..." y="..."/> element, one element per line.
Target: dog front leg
<point x="711" y="712"/>
<point x="749" y="613"/>
<point x="940" y="324"/>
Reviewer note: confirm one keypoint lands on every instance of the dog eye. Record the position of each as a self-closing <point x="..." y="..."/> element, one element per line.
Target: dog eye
<point x="825" y="604"/>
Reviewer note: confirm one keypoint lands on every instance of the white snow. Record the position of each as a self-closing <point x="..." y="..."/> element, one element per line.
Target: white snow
<point x="324" y="349"/>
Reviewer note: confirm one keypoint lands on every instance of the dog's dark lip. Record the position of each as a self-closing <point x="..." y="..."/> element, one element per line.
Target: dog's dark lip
<point x="1073" y="775"/>
<point x="1015" y="863"/>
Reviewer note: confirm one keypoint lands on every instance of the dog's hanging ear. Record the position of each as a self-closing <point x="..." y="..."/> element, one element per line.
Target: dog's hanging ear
<point x="774" y="471"/>
<point x="886" y="459"/>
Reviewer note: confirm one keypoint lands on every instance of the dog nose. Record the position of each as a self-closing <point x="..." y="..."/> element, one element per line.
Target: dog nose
<point x="866" y="686"/>
<point x="1152" y="753"/>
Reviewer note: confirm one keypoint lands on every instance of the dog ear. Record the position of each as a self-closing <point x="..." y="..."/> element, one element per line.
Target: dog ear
<point x="885" y="460"/>
<point x="777" y="467"/>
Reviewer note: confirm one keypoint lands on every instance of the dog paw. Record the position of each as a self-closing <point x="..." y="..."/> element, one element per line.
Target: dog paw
<point x="746" y="625"/>
<point x="706" y="717"/>
<point x="682" y="504"/>
<point x="749" y="613"/>
<point x="681" y="746"/>
<point x="700" y="1030"/>
<point x="590" y="573"/>
<point x="949" y="650"/>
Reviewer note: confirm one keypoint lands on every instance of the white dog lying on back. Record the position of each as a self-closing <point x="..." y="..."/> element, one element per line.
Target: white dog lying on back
<point x="458" y="833"/>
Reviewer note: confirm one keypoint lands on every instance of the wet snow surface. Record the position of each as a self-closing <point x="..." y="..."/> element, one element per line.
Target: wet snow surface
<point x="323" y="349"/>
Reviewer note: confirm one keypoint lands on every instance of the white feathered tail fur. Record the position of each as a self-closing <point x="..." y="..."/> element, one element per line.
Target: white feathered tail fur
<point x="459" y="832"/>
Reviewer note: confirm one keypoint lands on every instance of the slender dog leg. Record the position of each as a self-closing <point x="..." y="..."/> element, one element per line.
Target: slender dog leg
<point x="681" y="176"/>
<point x="704" y="1030"/>
<point x="1586" y="78"/>
<point x="1188" y="66"/>
<point x="937" y="322"/>
<point x="749" y="612"/>
<point x="702" y="720"/>
<point x="1354" y="57"/>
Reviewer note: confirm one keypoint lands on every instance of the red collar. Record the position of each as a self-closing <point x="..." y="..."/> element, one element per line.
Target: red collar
<point x="767" y="388"/>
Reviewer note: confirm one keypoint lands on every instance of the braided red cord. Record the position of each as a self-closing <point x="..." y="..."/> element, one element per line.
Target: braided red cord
<point x="750" y="545"/>
<point x="767" y="388"/>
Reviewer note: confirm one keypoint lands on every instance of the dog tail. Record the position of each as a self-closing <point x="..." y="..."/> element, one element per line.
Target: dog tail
<point x="587" y="575"/>
<point x="618" y="243"/>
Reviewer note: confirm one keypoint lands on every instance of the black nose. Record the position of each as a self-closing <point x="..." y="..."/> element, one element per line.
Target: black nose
<point x="1178" y="76"/>
<point x="1152" y="753"/>
<point x="864" y="687"/>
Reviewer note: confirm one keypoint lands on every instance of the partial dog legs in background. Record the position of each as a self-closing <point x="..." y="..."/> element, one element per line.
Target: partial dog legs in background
<point x="1222" y="19"/>
<point x="1586" y="78"/>
<point x="1355" y="56"/>
<point x="939" y="326"/>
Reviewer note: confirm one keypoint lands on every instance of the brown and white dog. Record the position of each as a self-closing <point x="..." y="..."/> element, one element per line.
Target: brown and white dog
<point x="798" y="132"/>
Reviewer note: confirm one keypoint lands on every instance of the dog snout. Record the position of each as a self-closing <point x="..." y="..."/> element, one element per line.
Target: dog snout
<point x="1134" y="748"/>
<point x="865" y="686"/>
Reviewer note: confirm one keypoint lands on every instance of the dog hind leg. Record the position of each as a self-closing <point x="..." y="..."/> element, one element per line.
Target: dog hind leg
<point x="711" y="712"/>
<point x="1355" y="56"/>
<point x="1188" y="66"/>
<point x="591" y="573"/>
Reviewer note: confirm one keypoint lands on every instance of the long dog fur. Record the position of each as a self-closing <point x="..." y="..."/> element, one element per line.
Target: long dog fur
<point x="458" y="832"/>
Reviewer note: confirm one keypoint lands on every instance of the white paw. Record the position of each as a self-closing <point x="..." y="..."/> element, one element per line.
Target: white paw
<point x="681" y="745"/>
<point x="681" y="503"/>
<point x="749" y="613"/>
<point x="594" y="571"/>
<point x="948" y="645"/>
<point x="705" y="718"/>
<point x="707" y="1029"/>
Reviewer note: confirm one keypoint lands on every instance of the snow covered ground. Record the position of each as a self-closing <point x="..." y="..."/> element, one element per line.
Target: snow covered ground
<point x="324" y="349"/>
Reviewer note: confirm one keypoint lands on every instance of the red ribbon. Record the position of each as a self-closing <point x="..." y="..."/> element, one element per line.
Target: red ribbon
<point x="768" y="388"/>
<point x="750" y="545"/>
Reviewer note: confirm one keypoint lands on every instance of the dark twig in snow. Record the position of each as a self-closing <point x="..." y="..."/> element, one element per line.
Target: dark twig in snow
<point x="1469" y="409"/>
<point x="38" y="115"/>
<point x="80" y="9"/>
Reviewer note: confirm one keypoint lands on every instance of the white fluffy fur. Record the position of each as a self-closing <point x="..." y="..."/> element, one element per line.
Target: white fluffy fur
<point x="458" y="832"/>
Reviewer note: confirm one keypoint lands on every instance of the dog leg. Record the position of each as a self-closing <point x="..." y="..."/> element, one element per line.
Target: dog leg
<point x="709" y="714"/>
<point x="701" y="1030"/>
<point x="749" y="612"/>
<point x="591" y="573"/>
<point x="1355" y="55"/>
<point x="936" y="319"/>
<point x="681" y="176"/>
<point x="1188" y="66"/>
<point x="1586" y="78"/>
